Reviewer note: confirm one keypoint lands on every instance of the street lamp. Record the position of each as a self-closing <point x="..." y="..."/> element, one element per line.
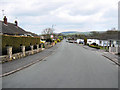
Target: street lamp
<point x="52" y="31"/>
<point x="53" y="28"/>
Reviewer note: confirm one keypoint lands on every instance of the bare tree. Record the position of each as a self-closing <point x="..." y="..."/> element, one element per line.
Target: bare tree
<point x="48" y="32"/>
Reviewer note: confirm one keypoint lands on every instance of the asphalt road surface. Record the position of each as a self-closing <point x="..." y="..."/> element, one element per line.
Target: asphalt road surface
<point x="71" y="66"/>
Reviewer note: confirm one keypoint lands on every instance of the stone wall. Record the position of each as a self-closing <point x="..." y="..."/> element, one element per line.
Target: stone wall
<point x="10" y="56"/>
<point x="115" y="50"/>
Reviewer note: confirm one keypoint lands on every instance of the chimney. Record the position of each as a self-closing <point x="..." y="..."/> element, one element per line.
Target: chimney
<point x="5" y="20"/>
<point x="16" y="23"/>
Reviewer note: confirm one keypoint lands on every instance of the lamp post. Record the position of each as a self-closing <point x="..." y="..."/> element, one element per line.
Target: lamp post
<point x="53" y="28"/>
<point x="52" y="32"/>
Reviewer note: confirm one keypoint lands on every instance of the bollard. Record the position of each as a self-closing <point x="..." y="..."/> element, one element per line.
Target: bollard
<point x="42" y="47"/>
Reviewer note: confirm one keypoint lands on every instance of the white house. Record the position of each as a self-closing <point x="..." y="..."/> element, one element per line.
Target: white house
<point x="98" y="42"/>
<point x="90" y="41"/>
<point x="103" y="43"/>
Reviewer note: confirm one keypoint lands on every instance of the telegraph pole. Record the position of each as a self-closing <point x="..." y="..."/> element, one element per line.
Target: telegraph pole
<point x="53" y="26"/>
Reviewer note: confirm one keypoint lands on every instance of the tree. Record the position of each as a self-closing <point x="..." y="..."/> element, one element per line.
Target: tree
<point x="85" y="41"/>
<point x="47" y="32"/>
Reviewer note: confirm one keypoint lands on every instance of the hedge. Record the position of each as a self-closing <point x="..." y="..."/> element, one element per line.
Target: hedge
<point x="58" y="40"/>
<point x="60" y="37"/>
<point x="16" y="42"/>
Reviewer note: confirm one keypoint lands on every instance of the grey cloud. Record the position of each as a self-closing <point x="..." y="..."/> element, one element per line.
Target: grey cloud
<point x="75" y="12"/>
<point x="39" y="10"/>
<point x="42" y="10"/>
<point x="111" y="13"/>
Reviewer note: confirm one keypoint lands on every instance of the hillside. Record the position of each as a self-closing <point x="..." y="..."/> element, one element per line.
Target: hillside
<point x="74" y="32"/>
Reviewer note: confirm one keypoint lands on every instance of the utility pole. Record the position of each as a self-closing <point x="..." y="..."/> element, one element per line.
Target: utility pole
<point x="53" y="26"/>
<point x="52" y="36"/>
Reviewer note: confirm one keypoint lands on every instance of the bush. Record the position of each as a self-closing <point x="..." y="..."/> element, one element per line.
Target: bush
<point x="60" y="37"/>
<point x="49" y="40"/>
<point x="55" y="42"/>
<point x="58" y="40"/>
<point x="43" y="45"/>
<point x="16" y="42"/>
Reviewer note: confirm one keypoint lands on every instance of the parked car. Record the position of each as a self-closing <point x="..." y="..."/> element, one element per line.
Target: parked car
<point x="67" y="40"/>
<point x="75" y="41"/>
<point x="81" y="42"/>
<point x="71" y="41"/>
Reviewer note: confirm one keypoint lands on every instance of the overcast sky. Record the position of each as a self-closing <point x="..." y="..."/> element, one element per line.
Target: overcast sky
<point x="65" y="15"/>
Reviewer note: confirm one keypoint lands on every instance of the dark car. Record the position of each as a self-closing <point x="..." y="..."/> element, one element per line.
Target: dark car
<point x="71" y="41"/>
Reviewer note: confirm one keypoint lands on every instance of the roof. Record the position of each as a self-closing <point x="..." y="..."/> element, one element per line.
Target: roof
<point x="10" y="28"/>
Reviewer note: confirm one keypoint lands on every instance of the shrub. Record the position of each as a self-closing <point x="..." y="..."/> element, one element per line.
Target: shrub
<point x="55" y="42"/>
<point x="49" y="40"/>
<point x="58" y="40"/>
<point x="60" y="37"/>
<point x="43" y="45"/>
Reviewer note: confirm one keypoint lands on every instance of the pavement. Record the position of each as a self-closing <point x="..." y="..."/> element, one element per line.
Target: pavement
<point x="70" y="66"/>
<point x="16" y="65"/>
<point x="111" y="56"/>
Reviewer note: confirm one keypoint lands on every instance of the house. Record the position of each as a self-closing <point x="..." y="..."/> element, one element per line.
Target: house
<point x="114" y="43"/>
<point x="7" y="28"/>
<point x="103" y="43"/>
<point x="91" y="41"/>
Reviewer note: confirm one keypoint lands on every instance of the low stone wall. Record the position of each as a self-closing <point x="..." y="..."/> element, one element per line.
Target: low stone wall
<point x="24" y="53"/>
<point x="15" y="56"/>
<point x="115" y="50"/>
<point x="53" y="43"/>
<point x="48" y="45"/>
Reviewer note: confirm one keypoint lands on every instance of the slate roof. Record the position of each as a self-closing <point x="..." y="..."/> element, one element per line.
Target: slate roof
<point x="10" y="28"/>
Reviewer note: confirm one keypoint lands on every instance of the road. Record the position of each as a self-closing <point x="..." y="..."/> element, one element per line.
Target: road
<point x="71" y="66"/>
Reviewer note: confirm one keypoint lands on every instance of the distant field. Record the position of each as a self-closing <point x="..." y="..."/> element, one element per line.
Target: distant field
<point x="76" y="32"/>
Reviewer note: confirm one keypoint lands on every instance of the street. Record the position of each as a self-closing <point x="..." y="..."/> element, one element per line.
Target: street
<point x="70" y="66"/>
